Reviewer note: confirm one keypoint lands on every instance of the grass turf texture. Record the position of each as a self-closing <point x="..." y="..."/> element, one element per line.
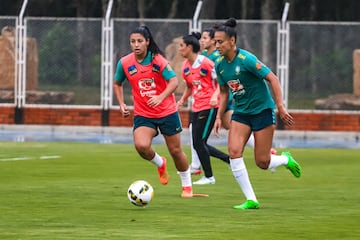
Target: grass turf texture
<point x="82" y="195"/>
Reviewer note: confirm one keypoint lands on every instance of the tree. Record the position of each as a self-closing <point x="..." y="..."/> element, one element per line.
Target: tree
<point x="208" y="9"/>
<point x="319" y="10"/>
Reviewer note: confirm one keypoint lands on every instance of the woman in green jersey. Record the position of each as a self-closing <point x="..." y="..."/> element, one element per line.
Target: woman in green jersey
<point x="242" y="73"/>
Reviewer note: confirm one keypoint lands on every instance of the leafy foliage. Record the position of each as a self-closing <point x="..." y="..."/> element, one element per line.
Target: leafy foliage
<point x="54" y="53"/>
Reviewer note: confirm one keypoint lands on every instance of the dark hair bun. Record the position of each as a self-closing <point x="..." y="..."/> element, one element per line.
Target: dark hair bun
<point x="197" y="35"/>
<point x="231" y="22"/>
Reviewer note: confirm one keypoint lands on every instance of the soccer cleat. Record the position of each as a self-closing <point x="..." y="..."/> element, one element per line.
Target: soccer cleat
<point x="187" y="193"/>
<point x="292" y="165"/>
<point x="248" y="204"/>
<point x="163" y="174"/>
<point x="204" y="180"/>
<point x="195" y="171"/>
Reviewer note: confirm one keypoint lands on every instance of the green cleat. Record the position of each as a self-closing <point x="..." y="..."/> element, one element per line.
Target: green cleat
<point x="292" y="165"/>
<point x="248" y="204"/>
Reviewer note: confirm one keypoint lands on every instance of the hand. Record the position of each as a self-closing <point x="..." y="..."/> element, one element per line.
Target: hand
<point x="286" y="117"/>
<point x="154" y="101"/>
<point x="213" y="102"/>
<point x="124" y="110"/>
<point x="179" y="103"/>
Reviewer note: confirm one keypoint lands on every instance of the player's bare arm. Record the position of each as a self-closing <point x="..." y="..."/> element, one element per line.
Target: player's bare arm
<point x="276" y="88"/>
<point x="119" y="93"/>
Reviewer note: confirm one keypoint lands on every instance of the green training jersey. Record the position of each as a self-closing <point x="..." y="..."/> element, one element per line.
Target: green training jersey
<point x="245" y="78"/>
<point x="212" y="56"/>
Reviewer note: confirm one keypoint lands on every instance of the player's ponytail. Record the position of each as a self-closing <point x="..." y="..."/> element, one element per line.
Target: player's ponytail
<point x="193" y="40"/>
<point x="231" y="22"/>
<point x="228" y="27"/>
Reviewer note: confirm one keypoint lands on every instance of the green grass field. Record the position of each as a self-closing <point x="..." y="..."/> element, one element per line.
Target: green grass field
<point x="82" y="195"/>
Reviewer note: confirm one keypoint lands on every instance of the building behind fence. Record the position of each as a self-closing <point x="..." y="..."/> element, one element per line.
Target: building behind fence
<point x="69" y="65"/>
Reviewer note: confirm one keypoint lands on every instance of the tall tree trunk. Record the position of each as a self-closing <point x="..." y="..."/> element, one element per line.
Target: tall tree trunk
<point x="244" y="9"/>
<point x="313" y="46"/>
<point x="141" y="8"/>
<point x="80" y="12"/>
<point x="266" y="13"/>
<point x="208" y="9"/>
<point x="125" y="8"/>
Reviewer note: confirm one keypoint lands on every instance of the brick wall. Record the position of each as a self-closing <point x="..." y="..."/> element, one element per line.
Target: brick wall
<point x="7" y="115"/>
<point x="326" y="121"/>
<point x="304" y="120"/>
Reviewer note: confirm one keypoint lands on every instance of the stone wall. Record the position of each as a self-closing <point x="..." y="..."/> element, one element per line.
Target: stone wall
<point x="344" y="101"/>
<point x="176" y="60"/>
<point x="7" y="60"/>
<point x="356" y="60"/>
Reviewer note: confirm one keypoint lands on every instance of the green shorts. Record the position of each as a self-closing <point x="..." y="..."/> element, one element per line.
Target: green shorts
<point x="257" y="121"/>
<point x="168" y="125"/>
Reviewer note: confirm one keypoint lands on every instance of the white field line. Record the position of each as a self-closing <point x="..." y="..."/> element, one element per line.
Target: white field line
<point x="28" y="158"/>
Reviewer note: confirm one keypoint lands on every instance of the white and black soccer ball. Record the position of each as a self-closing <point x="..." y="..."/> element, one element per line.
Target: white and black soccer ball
<point x="140" y="193"/>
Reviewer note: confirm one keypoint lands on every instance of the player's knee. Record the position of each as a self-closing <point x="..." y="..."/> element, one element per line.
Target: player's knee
<point x="142" y="149"/>
<point x="235" y="153"/>
<point x="262" y="163"/>
<point x="175" y="152"/>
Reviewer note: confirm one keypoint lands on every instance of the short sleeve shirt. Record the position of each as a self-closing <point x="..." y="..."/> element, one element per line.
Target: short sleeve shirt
<point x="147" y="78"/>
<point x="200" y="79"/>
<point x="244" y="75"/>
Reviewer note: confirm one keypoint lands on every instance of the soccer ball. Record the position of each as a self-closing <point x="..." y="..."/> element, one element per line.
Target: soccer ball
<point x="140" y="193"/>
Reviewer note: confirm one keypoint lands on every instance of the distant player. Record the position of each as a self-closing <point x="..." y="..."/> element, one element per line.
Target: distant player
<point x="201" y="83"/>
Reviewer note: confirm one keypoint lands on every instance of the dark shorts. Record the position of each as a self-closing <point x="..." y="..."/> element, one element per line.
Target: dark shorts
<point x="257" y="121"/>
<point x="168" y="125"/>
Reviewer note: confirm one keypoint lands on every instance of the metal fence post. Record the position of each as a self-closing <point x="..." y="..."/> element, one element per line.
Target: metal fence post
<point x="106" y="70"/>
<point x="283" y="54"/>
<point x="195" y="22"/>
<point x="20" y="66"/>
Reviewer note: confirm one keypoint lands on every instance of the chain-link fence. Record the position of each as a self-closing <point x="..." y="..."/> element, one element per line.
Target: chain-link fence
<point x="64" y="56"/>
<point x="321" y="61"/>
<point x="69" y="58"/>
<point x="258" y="37"/>
<point x="165" y="33"/>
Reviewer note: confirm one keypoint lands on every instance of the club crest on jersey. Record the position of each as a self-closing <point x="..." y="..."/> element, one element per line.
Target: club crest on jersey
<point x="132" y="70"/>
<point x="259" y="65"/>
<point x="203" y="72"/>
<point x="237" y="70"/>
<point x="155" y="68"/>
<point x="197" y="86"/>
<point x="146" y="84"/>
<point x="236" y="87"/>
<point x="187" y="71"/>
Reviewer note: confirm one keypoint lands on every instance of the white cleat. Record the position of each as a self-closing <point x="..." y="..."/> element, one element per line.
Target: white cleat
<point x="204" y="180"/>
